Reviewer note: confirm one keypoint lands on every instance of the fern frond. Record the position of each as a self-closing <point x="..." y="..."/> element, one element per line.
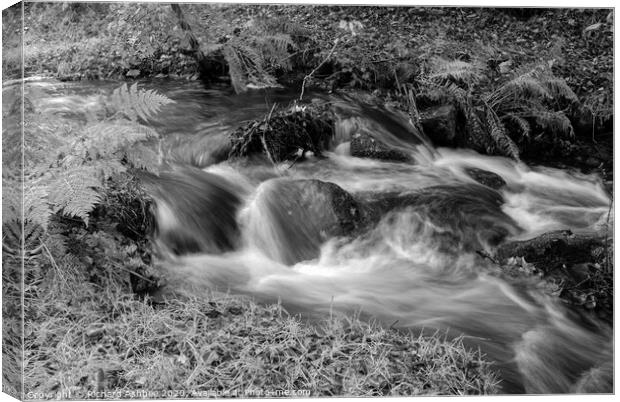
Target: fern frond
<point x="12" y="197"/>
<point x="499" y="135"/>
<point x="447" y="91"/>
<point x="36" y="206"/>
<point x="558" y="88"/>
<point x="555" y="122"/>
<point x="456" y="71"/>
<point x="103" y="169"/>
<point x="136" y="103"/>
<point x="103" y="139"/>
<point x="523" y="124"/>
<point x="74" y="192"/>
<point x="275" y="49"/>
<point x="522" y="87"/>
<point x="143" y="157"/>
<point x="236" y="69"/>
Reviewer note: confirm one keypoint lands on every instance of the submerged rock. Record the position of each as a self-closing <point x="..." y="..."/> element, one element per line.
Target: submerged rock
<point x="194" y="211"/>
<point x="289" y="220"/>
<point x="363" y="145"/>
<point x="486" y="178"/>
<point x="461" y="217"/>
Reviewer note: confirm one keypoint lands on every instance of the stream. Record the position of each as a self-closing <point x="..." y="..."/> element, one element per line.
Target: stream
<point x="269" y="230"/>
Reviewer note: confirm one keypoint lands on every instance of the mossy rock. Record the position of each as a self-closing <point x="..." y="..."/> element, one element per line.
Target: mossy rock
<point x="290" y="219"/>
<point x="363" y="145"/>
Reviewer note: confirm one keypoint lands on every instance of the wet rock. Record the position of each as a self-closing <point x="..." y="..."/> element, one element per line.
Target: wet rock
<point x="461" y="217"/>
<point x="290" y="219"/>
<point x="575" y="267"/>
<point x="194" y="211"/>
<point x="363" y="145"/>
<point x="553" y="250"/>
<point x="486" y="178"/>
<point x="439" y="124"/>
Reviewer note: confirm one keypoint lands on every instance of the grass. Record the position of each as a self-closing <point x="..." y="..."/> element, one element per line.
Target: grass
<point x="87" y="338"/>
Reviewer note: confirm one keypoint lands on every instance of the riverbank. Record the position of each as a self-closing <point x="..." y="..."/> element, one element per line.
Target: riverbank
<point x="342" y="48"/>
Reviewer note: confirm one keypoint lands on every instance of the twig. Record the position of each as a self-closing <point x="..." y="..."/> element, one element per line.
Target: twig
<point x="262" y="137"/>
<point x="307" y="77"/>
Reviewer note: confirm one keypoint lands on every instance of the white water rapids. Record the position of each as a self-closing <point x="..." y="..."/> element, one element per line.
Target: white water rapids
<point x="400" y="272"/>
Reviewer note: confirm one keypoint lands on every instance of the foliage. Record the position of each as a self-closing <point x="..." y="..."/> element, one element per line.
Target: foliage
<point x="135" y="103"/>
<point x="66" y="171"/>
<point x="256" y="53"/>
<point x="98" y="40"/>
<point x="500" y="118"/>
<point x="285" y="135"/>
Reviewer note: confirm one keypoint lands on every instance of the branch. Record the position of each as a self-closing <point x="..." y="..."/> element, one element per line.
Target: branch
<point x="307" y="77"/>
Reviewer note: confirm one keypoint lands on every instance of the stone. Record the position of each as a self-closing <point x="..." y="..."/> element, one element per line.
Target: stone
<point x="439" y="124"/>
<point x="289" y="220"/>
<point x="363" y="145"/>
<point x="460" y="217"/>
<point x="486" y="178"/>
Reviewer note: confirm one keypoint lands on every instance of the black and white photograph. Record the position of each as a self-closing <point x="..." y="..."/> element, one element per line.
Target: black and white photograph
<point x="214" y="200"/>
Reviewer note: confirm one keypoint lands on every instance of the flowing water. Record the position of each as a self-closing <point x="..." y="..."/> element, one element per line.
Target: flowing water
<point x="414" y="267"/>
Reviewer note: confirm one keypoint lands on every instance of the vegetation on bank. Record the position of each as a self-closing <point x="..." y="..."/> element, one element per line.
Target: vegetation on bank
<point x="527" y="83"/>
<point x="519" y="82"/>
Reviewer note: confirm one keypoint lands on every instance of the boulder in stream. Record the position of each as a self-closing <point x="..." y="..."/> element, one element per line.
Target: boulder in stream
<point x="289" y="220"/>
<point x="486" y="178"/>
<point x="461" y="217"/>
<point x="577" y="267"/>
<point x="363" y="145"/>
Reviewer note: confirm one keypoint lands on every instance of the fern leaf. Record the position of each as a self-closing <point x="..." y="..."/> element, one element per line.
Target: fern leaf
<point x="143" y="157"/>
<point x="103" y="169"/>
<point x="12" y="197"/>
<point x="499" y="136"/>
<point x="137" y="103"/>
<point x="456" y="71"/>
<point x="235" y="69"/>
<point x="558" y="88"/>
<point x="525" y="86"/>
<point x="103" y="139"/>
<point x="523" y="124"/>
<point x="74" y="192"/>
<point x="555" y="122"/>
<point x="36" y="206"/>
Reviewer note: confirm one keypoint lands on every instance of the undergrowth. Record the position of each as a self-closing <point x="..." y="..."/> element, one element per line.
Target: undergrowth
<point x="527" y="110"/>
<point x="285" y="135"/>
